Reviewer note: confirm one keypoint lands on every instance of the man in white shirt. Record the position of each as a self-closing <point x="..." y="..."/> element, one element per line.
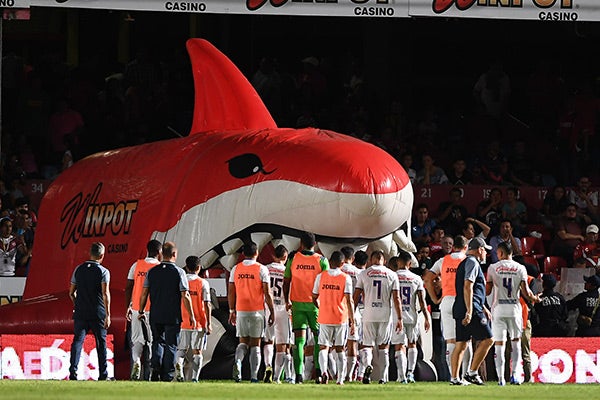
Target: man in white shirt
<point x="508" y="279"/>
<point x="411" y="291"/>
<point x="379" y="287"/>
<point x="353" y="338"/>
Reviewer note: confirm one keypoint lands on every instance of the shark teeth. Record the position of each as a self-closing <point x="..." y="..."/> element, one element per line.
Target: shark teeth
<point x="227" y="252"/>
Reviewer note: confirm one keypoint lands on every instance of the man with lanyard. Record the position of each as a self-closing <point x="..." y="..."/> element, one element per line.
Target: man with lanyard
<point x="141" y="334"/>
<point x="470" y="314"/>
<point x="301" y="271"/>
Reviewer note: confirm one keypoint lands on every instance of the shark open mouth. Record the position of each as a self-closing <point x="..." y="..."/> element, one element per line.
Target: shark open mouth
<point x="226" y="253"/>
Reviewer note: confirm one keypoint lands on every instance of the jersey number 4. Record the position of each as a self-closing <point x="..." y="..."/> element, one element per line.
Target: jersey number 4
<point x="508" y="284"/>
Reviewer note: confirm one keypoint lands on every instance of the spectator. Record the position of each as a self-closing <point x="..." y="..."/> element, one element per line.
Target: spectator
<point x="447" y="243"/>
<point x="588" y="321"/>
<point x="550" y="318"/>
<point x="555" y="203"/>
<point x="490" y="209"/>
<point x="423" y="259"/>
<point x="585" y="199"/>
<point x="423" y="225"/>
<point x="494" y="165"/>
<point x="63" y="123"/>
<point x="406" y="162"/>
<point x="452" y="213"/>
<point x="492" y="90"/>
<point x="521" y="168"/>
<point x="569" y="233"/>
<point x="588" y="249"/>
<point x="435" y="245"/>
<point x="505" y="235"/>
<point x="515" y="211"/>
<point x="459" y="174"/>
<point x="431" y="174"/>
<point x="468" y="229"/>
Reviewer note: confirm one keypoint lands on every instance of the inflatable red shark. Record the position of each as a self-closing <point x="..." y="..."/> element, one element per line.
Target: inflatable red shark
<point x="236" y="177"/>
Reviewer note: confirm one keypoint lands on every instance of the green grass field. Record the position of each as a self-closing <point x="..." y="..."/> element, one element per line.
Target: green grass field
<point x="65" y="390"/>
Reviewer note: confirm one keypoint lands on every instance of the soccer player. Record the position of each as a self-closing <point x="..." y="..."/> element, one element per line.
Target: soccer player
<point x="301" y="271"/>
<point x="352" y="343"/>
<point x="411" y="291"/>
<point x="508" y="279"/>
<point x="331" y="295"/>
<point x="379" y="287"/>
<point x="194" y="338"/>
<point x="445" y="268"/>
<point x="248" y="292"/>
<point x="141" y="334"/>
<point x="361" y="259"/>
<point x="280" y="332"/>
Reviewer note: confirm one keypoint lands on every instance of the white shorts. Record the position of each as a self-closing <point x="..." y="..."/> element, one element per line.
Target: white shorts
<point x="448" y="322"/>
<point x="310" y="338"/>
<point x="333" y="335"/>
<point x="357" y="327"/>
<point x="250" y="324"/>
<point x="376" y="333"/>
<point x="507" y="328"/>
<point x="281" y="330"/>
<point x="191" y="340"/>
<point x="137" y="334"/>
<point x="408" y="334"/>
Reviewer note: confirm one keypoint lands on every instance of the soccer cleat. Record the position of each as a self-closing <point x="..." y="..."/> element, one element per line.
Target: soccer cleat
<point x="514" y="380"/>
<point x="299" y="379"/>
<point x="73" y="377"/>
<point x="367" y="376"/>
<point x="382" y="382"/>
<point x="155" y="376"/>
<point x="318" y="376"/>
<point x="474" y="379"/>
<point x="410" y="377"/>
<point x="501" y="383"/>
<point x="179" y="373"/>
<point x="253" y="380"/>
<point x="135" y="371"/>
<point x="339" y="383"/>
<point x="403" y="381"/>
<point x="457" y="382"/>
<point x="237" y="371"/>
<point x="289" y="380"/>
<point x="268" y="375"/>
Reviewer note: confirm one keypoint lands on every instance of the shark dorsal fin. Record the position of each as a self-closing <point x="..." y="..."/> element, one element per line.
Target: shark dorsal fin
<point x="224" y="99"/>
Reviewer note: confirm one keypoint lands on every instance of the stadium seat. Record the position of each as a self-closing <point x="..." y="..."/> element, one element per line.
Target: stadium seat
<point x="532" y="246"/>
<point x="553" y="265"/>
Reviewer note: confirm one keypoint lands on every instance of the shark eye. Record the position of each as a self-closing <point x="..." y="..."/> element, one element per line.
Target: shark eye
<point x="246" y="165"/>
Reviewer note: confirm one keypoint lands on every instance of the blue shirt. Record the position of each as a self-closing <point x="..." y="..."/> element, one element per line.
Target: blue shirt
<point x="165" y="283"/>
<point x="89" y="302"/>
<point x="469" y="270"/>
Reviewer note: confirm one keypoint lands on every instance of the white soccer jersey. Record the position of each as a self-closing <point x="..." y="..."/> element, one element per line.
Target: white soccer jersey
<point x="352" y="271"/>
<point x="276" y="271"/>
<point x="409" y="284"/>
<point x="506" y="275"/>
<point x="377" y="282"/>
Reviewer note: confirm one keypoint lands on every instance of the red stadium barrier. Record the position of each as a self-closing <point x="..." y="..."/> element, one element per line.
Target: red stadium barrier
<point x="564" y="360"/>
<point x="47" y="357"/>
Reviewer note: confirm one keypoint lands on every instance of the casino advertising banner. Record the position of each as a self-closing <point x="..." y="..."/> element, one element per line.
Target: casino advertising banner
<point x="543" y="10"/>
<point x="339" y="8"/>
<point x="47" y="357"/>
<point x="15" y="3"/>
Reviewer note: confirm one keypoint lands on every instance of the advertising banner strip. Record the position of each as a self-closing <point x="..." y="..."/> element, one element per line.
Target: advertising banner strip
<point x="543" y="10"/>
<point x="15" y="3"/>
<point x="330" y="8"/>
